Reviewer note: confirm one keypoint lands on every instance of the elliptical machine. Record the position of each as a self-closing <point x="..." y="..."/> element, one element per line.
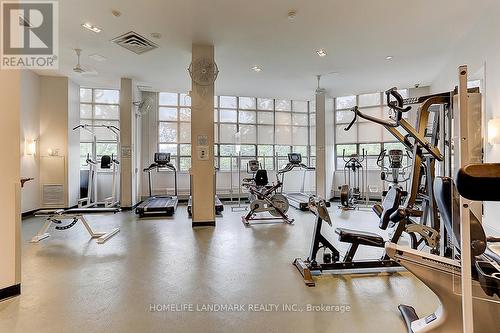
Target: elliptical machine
<point x="350" y="192"/>
<point x="394" y="173"/>
<point x="264" y="197"/>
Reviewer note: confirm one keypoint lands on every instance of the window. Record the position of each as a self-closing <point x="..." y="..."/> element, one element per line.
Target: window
<point x="262" y="128"/>
<point x="266" y="129"/>
<point x="474" y="84"/>
<point x="98" y="107"/>
<point x="174" y="128"/>
<point x="364" y="135"/>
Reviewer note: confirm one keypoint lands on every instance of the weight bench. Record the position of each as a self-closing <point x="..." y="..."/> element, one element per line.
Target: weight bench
<point x="75" y="214"/>
<point x="357" y="238"/>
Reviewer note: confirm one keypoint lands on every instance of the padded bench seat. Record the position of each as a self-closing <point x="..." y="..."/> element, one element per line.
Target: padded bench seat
<point x="359" y="237"/>
<point x="95" y="210"/>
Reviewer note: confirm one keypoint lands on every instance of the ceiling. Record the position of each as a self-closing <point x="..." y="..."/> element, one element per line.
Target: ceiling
<point x="358" y="35"/>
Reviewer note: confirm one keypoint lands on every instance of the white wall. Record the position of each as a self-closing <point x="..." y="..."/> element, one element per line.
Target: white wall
<point x="10" y="200"/>
<point x="480" y="51"/>
<point x="30" y="130"/>
<point x="59" y="113"/>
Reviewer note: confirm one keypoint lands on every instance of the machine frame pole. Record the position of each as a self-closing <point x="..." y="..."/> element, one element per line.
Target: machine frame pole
<point x="466" y="279"/>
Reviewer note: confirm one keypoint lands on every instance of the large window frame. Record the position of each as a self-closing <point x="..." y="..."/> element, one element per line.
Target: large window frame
<point x="181" y="153"/>
<point x="233" y="114"/>
<point x="343" y="116"/>
<point x="106" y="142"/>
<point x="272" y="155"/>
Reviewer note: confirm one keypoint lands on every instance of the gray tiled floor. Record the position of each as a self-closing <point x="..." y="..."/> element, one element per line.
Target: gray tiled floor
<point x="72" y="284"/>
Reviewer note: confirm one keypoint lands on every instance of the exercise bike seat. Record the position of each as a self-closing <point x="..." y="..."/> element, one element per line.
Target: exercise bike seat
<point x="359" y="237"/>
<point x="261" y="178"/>
<point x="390" y="204"/>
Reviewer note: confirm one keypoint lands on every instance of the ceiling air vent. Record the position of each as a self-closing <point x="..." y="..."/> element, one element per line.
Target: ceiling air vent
<point x="134" y="42"/>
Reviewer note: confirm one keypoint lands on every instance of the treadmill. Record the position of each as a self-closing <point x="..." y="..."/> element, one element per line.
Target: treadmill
<point x="164" y="205"/>
<point x="299" y="200"/>
<point x="219" y="207"/>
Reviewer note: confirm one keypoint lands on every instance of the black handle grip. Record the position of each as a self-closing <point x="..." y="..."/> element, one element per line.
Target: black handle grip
<point x="398" y="104"/>
<point x="394" y="93"/>
<point x="355" y="110"/>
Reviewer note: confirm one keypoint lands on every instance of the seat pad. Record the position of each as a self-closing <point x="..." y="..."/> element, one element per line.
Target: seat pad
<point x="479" y="182"/>
<point x="359" y="237"/>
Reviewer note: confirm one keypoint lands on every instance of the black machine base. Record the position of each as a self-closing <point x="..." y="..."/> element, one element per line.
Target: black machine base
<point x="308" y="269"/>
<point x="219" y="207"/>
<point x="203" y="224"/>
<point x="157" y="206"/>
<point x="304" y="206"/>
<point x="300" y="200"/>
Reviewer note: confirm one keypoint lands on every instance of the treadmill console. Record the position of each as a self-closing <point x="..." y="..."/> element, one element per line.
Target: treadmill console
<point x="162" y="159"/>
<point x="294" y="158"/>
<point x="253" y="165"/>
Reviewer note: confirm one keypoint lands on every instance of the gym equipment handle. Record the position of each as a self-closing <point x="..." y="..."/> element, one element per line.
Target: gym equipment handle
<point x="398" y="104"/>
<point x="386" y="123"/>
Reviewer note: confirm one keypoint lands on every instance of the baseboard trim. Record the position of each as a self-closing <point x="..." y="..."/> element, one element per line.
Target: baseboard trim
<point x="29" y="213"/>
<point x="203" y="224"/>
<point x="11" y="291"/>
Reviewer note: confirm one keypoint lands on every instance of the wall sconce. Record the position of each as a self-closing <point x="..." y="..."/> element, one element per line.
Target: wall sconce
<point x="29" y="147"/>
<point x="494" y="131"/>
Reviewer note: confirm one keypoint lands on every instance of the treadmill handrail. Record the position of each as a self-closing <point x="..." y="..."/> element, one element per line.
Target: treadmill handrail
<point x="291" y="166"/>
<point x="158" y="166"/>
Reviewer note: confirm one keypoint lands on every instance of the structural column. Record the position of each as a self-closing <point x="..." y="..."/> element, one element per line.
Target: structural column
<point x="321" y="174"/>
<point x="128" y="170"/>
<point x="10" y="199"/>
<point x="202" y="148"/>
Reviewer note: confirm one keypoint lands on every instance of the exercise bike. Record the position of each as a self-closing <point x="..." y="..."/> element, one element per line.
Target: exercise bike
<point x="264" y="197"/>
<point x="350" y="192"/>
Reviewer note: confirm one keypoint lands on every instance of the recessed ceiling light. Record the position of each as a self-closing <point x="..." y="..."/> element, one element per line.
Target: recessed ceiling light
<point x="321" y="52"/>
<point x="292" y="14"/>
<point x="116" y="13"/>
<point x="91" y="27"/>
<point x="388" y="58"/>
<point x="97" y="57"/>
<point x="256" y="69"/>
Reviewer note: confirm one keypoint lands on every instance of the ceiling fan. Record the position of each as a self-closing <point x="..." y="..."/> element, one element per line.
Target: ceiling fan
<point x="78" y="67"/>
